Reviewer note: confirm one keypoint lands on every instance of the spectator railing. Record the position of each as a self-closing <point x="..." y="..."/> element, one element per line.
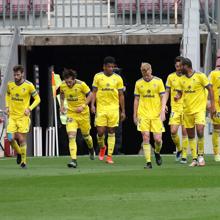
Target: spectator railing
<point x="94" y="14"/>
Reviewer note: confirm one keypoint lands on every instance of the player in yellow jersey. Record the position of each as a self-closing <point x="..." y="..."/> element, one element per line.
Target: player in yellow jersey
<point x="193" y="87"/>
<point x="215" y="82"/>
<point x="176" y="115"/>
<point x="109" y="97"/>
<point x="18" y="109"/>
<point x="148" y="112"/>
<point x="78" y="96"/>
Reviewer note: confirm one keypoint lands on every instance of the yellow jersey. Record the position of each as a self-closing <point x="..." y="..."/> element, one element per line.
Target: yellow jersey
<point x="18" y="98"/>
<point x="214" y="78"/>
<point x="172" y="83"/>
<point x="194" y="92"/>
<point x="75" y="96"/>
<point x="107" y="97"/>
<point x="150" y="97"/>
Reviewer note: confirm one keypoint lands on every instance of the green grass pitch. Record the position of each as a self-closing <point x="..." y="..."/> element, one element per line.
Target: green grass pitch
<point x="49" y="190"/>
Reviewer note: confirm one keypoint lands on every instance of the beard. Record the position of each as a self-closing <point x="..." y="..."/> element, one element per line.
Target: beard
<point x="184" y="72"/>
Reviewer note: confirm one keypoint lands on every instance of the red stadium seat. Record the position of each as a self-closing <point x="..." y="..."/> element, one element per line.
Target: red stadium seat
<point x="21" y="5"/>
<point x="218" y="53"/>
<point x="41" y="5"/>
<point x="126" y="5"/>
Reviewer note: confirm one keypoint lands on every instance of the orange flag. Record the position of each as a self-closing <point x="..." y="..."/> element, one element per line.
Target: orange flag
<point x="53" y="84"/>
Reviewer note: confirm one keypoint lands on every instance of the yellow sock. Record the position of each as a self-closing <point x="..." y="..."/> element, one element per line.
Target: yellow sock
<point x="72" y="148"/>
<point x="185" y="144"/>
<point x="147" y="152"/>
<point x="101" y="141"/>
<point x="215" y="136"/>
<point x="158" y="147"/>
<point x="192" y="144"/>
<point x="15" y="146"/>
<point x="88" y="140"/>
<point x="111" y="144"/>
<point x="200" y="145"/>
<point x="23" y="149"/>
<point x="176" y="141"/>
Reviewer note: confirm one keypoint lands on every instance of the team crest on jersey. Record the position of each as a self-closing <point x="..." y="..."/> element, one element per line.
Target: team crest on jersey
<point x="107" y="85"/>
<point x="23" y="90"/>
<point x="189" y="87"/>
<point x="148" y="91"/>
<point x="16" y="94"/>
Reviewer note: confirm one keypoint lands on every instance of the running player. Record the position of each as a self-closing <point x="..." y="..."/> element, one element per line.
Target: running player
<point x="109" y="97"/>
<point x="18" y="108"/>
<point x="78" y="96"/>
<point x="193" y="87"/>
<point x="176" y="115"/>
<point x="149" y="112"/>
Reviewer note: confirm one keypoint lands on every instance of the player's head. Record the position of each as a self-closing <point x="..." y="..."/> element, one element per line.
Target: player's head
<point x="69" y="77"/>
<point x="178" y="64"/>
<point x="146" y="69"/>
<point x="18" y="73"/>
<point x="186" y="65"/>
<point x="109" y="65"/>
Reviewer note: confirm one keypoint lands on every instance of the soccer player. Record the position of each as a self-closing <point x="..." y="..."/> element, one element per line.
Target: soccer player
<point x="18" y="108"/>
<point x="78" y="96"/>
<point x="176" y="115"/>
<point x="215" y="82"/>
<point x="148" y="112"/>
<point x="108" y="96"/>
<point x="192" y="87"/>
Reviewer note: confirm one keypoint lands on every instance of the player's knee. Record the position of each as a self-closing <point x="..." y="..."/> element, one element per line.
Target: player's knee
<point x="100" y="133"/>
<point x="158" y="140"/>
<point x="72" y="136"/>
<point x="184" y="133"/>
<point x="173" y="132"/>
<point x="200" y="135"/>
<point x="10" y="137"/>
<point x="146" y="138"/>
<point x="111" y="130"/>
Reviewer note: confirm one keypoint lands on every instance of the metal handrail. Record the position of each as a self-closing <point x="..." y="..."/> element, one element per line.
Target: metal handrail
<point x="87" y="14"/>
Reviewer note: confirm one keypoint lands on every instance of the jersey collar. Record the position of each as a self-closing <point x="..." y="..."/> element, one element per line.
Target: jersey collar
<point x="148" y="80"/>
<point x="191" y="75"/>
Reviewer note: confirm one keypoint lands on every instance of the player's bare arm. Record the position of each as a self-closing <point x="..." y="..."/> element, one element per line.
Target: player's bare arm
<point x="88" y="100"/>
<point x="122" y="105"/>
<point x="36" y="102"/>
<point x="163" y="108"/>
<point x="94" y="91"/>
<point x="62" y="97"/>
<point x="136" y="103"/>
<point x="212" y="102"/>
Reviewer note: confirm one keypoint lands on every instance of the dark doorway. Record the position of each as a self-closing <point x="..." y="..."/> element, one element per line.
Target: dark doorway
<point x="87" y="60"/>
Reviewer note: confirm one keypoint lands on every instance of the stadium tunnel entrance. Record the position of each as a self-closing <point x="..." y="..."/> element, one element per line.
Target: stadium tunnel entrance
<point x="87" y="60"/>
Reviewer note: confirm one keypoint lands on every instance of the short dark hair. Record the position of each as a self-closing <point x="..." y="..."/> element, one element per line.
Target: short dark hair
<point x="67" y="73"/>
<point x="18" y="68"/>
<point x="187" y="62"/>
<point x="178" y="59"/>
<point x="109" y="59"/>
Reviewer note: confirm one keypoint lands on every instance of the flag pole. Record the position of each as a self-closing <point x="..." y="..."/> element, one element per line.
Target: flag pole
<point x="55" y="113"/>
